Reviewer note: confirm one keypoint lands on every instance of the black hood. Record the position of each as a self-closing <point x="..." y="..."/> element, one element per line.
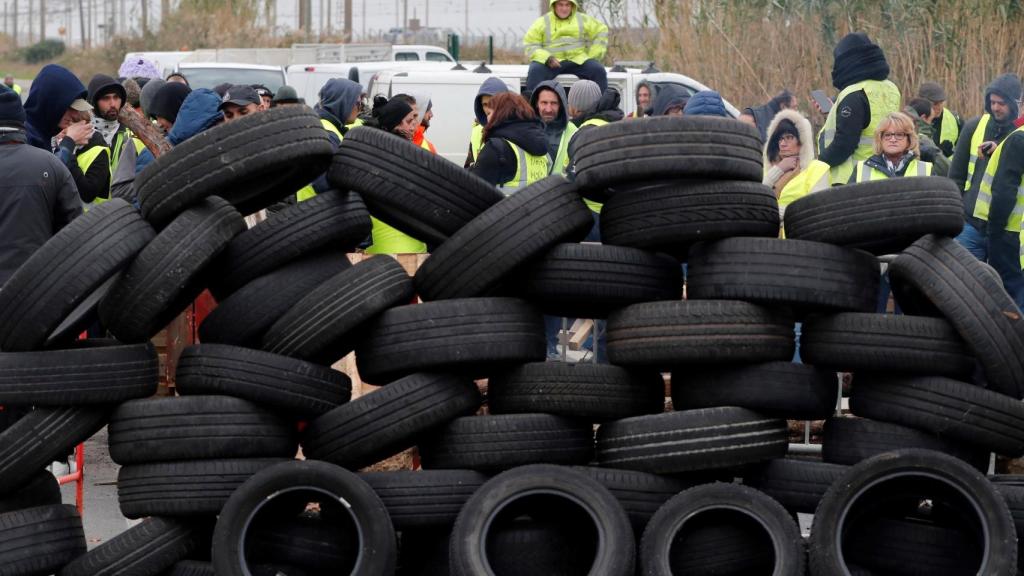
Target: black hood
<point x="857" y="58"/>
<point x="102" y="84"/>
<point x="563" y="108"/>
<point x="527" y="134"/>
<point x="1009" y="87"/>
<point x="669" y="96"/>
<point x="607" y="108"/>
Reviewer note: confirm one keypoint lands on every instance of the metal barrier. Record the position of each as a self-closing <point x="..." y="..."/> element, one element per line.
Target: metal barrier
<point x="78" y="477"/>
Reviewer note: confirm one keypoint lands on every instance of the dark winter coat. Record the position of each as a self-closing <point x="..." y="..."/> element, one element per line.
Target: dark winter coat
<point x="50" y="96"/>
<point x="497" y="162"/>
<point x="555" y="128"/>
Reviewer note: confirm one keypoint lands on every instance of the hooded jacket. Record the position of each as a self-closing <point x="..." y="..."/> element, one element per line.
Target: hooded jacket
<point x="774" y="176"/>
<point x="669" y="96"/>
<point x="556" y="127"/>
<point x="497" y="162"/>
<point x="607" y="109"/>
<point x="705" y="103"/>
<point x="101" y="84"/>
<point x="199" y="112"/>
<point x="51" y="94"/>
<point x="550" y="36"/>
<point x="337" y="99"/>
<point x="490" y="87"/>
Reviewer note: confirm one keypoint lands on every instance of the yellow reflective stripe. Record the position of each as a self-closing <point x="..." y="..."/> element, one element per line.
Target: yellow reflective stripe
<point x="529" y="169"/>
<point x="547" y="28"/>
<point x="976" y="139"/>
<point x="476" y="140"/>
<point x="922" y="168"/>
<point x="331" y="128"/>
<point x="865" y="172"/>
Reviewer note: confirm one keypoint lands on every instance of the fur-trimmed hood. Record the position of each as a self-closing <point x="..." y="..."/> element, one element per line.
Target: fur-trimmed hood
<point x="803" y="127"/>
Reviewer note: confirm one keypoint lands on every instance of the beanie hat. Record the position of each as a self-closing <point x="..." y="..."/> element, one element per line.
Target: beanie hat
<point x="12" y="113"/>
<point x="148" y="92"/>
<point x="584" y="96"/>
<point x="138" y="68"/>
<point x="168" y="100"/>
<point x="932" y="91"/>
<point x="857" y="58"/>
<point x="285" y="95"/>
<point x="390" y="113"/>
<point x="132" y="91"/>
<point x="101" y="84"/>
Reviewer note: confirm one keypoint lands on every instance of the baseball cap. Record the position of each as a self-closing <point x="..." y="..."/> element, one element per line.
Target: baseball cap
<point x="81" y="105"/>
<point x="263" y="91"/>
<point x="240" y="95"/>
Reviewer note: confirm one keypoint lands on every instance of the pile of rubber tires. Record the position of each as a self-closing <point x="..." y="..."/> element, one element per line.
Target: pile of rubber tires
<point x="514" y="478"/>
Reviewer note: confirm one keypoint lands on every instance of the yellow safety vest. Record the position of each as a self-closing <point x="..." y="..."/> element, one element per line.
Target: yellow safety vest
<point x="307" y="192"/>
<point x="866" y="173"/>
<point x="476" y="140"/>
<point x="883" y="99"/>
<point x="530" y="168"/>
<point x="119" y="139"/>
<point x="577" y="38"/>
<point x="815" y="178"/>
<point x="984" y="203"/>
<point x="85" y="160"/>
<point x="17" y="89"/>
<point x="561" y="163"/>
<point x="976" y="140"/>
<point x="948" y="129"/>
<point x="594" y="206"/>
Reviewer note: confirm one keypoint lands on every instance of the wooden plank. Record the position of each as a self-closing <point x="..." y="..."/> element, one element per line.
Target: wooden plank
<point x="578" y="333"/>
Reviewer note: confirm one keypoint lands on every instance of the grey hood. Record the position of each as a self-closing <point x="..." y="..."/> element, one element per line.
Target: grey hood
<point x="563" y="109"/>
<point x="490" y="87"/>
<point x="1008" y="86"/>
<point x="337" y="98"/>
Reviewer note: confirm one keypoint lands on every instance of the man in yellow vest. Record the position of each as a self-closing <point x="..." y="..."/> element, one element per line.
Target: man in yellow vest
<point x="566" y="41"/>
<point x="549" y="102"/>
<point x="589" y="108"/>
<point x="978" y="141"/>
<point x="946" y="125"/>
<point x="9" y="82"/>
<point x="860" y="72"/>
<point x="107" y="97"/>
<point x="338" y="108"/>
<point x="1002" y="192"/>
<point x="482" y="111"/>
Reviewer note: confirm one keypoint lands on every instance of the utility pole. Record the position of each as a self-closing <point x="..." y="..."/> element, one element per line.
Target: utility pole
<point x="165" y="9"/>
<point x="426" y="15"/>
<point x="467" y="20"/>
<point x="31" y="31"/>
<point x="348" y="21"/>
<point x="14" y="21"/>
<point x="405" y="15"/>
<point x="42" y="20"/>
<point x="144" y="22"/>
<point x="398" y="16"/>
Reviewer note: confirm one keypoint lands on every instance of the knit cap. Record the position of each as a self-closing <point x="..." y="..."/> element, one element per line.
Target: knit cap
<point x="148" y="92"/>
<point x="12" y="113"/>
<point x="584" y="96"/>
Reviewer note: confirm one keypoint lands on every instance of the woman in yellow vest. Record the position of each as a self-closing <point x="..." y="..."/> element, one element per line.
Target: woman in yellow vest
<point x="85" y="153"/>
<point x="897" y="152"/>
<point x="515" y="150"/>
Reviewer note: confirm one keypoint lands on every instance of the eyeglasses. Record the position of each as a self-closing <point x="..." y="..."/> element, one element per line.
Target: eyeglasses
<point x="894" y="135"/>
<point x="787" y="138"/>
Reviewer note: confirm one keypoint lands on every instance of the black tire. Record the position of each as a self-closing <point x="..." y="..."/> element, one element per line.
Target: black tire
<point x="882" y="217"/>
<point x="146" y="549"/>
<point x="334" y="219"/>
<point x="776" y="389"/>
<point x="591" y="280"/>
<point x="170" y="272"/>
<point x="65" y="270"/>
<point x="191" y="568"/>
<point x="953" y="409"/>
<point x="307" y="543"/>
<point x="40" y="541"/>
<point x="614" y="552"/>
<point x="419" y="193"/>
<point x="386" y="421"/>
<point x="590" y="392"/>
<point x="849" y="440"/>
<point x="483" y="254"/>
<point x="639" y="493"/>
<point x="418" y="499"/>
<point x="377" y="546"/>
<point x="295" y="387"/>
<point x="806" y="276"/>
<point x="326" y="324"/>
<point x="695" y="147"/>
<point x="196" y="428"/>
<point x="672" y="217"/>
<point x="975" y="303"/>
<point x="891" y="343"/>
<point x="40" y="490"/>
<point x="796" y="484"/>
<point x="243" y="318"/>
<point x="666" y="334"/>
<point x="1013" y="495"/>
<point x="183" y="488"/>
<point x="102" y="374"/>
<point x="251" y="163"/>
<point x="912" y="546"/>
<point x="474" y="336"/>
<point x="500" y="442"/>
<point x="692" y="440"/>
<point x="41" y="437"/>
<point x="877" y="486"/>
<point x="722" y="529"/>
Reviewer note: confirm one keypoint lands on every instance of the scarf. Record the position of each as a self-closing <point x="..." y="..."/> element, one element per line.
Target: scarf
<point x="107" y="128"/>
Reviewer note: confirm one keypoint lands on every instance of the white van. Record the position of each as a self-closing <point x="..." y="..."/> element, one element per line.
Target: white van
<point x="210" y="74"/>
<point x="308" y="79"/>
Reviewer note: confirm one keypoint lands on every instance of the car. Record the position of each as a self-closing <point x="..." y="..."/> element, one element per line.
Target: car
<point x="211" y="74"/>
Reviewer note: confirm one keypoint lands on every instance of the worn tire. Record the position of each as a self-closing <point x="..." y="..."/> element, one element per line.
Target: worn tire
<point x="891" y="343"/>
<point x="483" y="254"/>
<point x="913" y="547"/>
<point x="777" y="389"/>
<point x="590" y="392"/>
<point x="796" y="484"/>
<point x="196" y="428"/>
<point x="251" y="163"/>
<point x="419" y="193"/>
<point x="956" y="410"/>
<point x="663" y="335"/>
<point x="326" y="324"/>
<point x="65" y="270"/>
<point x="183" y="488"/>
<point x="170" y="272"/>
<point x="805" y="276"/>
<point x="386" y="421"/>
<point x="882" y="217"/>
<point x="691" y="440"/>
<point x="474" y="336"/>
<point x="191" y="568"/>
<point x="146" y="549"/>
<point x="639" y="493"/>
<point x="500" y="442"/>
<point x="672" y="217"/>
<point x="847" y="441"/>
<point x="591" y="280"/>
<point x="40" y="541"/>
<point x="974" y="301"/>
<point x="39" y="490"/>
<point x="689" y="147"/>
<point x="418" y="499"/>
<point x="42" y="436"/>
<point x="297" y="388"/>
<point x="333" y="220"/>
<point x="100" y="372"/>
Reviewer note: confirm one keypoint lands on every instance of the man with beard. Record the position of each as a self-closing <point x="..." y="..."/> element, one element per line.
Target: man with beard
<point x="107" y="97"/>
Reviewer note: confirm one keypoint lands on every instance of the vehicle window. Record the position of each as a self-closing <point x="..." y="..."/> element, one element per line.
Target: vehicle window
<point x="438" y="57"/>
<point x="210" y="77"/>
<point x="406" y="56"/>
<point x="659" y="85"/>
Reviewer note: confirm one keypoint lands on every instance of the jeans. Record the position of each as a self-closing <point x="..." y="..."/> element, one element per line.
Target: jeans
<point x="589" y="70"/>
<point x="1004" y="256"/>
<point x="975" y="242"/>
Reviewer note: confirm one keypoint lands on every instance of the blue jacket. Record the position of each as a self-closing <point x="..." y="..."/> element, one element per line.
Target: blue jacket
<point x="199" y="112"/>
<point x="705" y="103"/>
<point x="50" y="96"/>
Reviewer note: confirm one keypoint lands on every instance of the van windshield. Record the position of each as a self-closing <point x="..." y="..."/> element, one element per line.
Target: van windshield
<point x="210" y="77"/>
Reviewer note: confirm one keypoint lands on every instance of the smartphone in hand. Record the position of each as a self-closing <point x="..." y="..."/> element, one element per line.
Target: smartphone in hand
<point x="822" y="100"/>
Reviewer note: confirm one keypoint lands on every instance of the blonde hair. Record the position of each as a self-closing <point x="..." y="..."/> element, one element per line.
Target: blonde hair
<point x="899" y="122"/>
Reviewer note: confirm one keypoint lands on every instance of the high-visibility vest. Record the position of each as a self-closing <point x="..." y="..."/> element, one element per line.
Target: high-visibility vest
<point x="307" y="192"/>
<point x="577" y="38"/>
<point x="883" y="99"/>
<point x="976" y="140"/>
<point x="16" y="88"/>
<point x="390" y="240"/>
<point x="530" y="168"/>
<point x="949" y="131"/>
<point x="119" y="139"/>
<point x="594" y="206"/>
<point x="867" y="173"/>
<point x="984" y="203"/>
<point x="594" y="122"/>
<point x="476" y="140"/>
<point x="1022" y="250"/>
<point x="814" y="178"/>
<point x="85" y="160"/>
<point x="561" y="163"/>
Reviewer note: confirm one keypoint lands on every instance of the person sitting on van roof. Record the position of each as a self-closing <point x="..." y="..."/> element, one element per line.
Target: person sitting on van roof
<point x="566" y="41"/>
<point x="482" y="110"/>
<point x="515" y="151"/>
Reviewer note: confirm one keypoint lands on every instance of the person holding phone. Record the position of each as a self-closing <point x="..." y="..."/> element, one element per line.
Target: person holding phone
<point x="978" y="141"/>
